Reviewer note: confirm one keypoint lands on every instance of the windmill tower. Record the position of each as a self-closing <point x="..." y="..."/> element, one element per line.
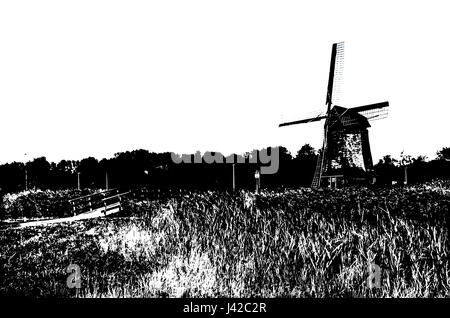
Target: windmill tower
<point x="345" y="156"/>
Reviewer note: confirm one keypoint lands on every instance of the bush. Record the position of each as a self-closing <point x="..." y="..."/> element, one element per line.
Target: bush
<point x="38" y="203"/>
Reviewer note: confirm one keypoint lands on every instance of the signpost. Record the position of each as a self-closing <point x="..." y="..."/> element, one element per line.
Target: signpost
<point x="257" y="180"/>
<point x="26" y="173"/>
<point x="234" y="178"/>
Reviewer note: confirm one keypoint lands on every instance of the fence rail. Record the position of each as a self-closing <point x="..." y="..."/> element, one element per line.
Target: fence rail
<point x="95" y="201"/>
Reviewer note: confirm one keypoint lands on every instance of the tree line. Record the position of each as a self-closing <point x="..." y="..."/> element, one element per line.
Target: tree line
<point x="144" y="168"/>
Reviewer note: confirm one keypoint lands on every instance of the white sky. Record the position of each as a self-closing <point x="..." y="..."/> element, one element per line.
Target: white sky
<point x="81" y="78"/>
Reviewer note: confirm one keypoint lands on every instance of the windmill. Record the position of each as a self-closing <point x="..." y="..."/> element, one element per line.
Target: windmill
<point x="345" y="155"/>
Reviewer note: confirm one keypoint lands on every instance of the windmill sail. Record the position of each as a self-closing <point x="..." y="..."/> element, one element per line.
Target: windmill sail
<point x="335" y="78"/>
<point x="318" y="117"/>
<point x="371" y="106"/>
<point x="375" y="114"/>
<point x="373" y="111"/>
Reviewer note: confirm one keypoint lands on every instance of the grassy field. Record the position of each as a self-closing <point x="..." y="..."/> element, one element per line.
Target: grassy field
<point x="290" y="243"/>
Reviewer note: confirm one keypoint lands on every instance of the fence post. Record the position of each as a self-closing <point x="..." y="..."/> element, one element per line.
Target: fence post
<point x="73" y="208"/>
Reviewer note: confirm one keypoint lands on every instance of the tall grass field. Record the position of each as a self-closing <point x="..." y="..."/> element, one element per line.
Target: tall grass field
<point x="286" y="243"/>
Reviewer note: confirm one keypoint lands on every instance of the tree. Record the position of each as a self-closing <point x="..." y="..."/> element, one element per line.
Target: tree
<point x="420" y="160"/>
<point x="405" y="159"/>
<point x="90" y="174"/>
<point x="387" y="161"/>
<point x="306" y="152"/>
<point x="387" y="170"/>
<point x="418" y="169"/>
<point x="12" y="177"/>
<point x="284" y="174"/>
<point x="39" y="172"/>
<point x="304" y="165"/>
<point x="444" y="154"/>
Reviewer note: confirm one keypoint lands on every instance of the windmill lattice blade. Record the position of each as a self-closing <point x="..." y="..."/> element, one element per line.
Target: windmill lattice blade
<point x="375" y="114"/>
<point x="331" y="76"/>
<point x="303" y="121"/>
<point x="360" y="109"/>
<point x="336" y="74"/>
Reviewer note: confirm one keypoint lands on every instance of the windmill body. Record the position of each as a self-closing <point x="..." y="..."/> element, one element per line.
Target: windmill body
<point x="345" y="155"/>
<point x="347" y="148"/>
